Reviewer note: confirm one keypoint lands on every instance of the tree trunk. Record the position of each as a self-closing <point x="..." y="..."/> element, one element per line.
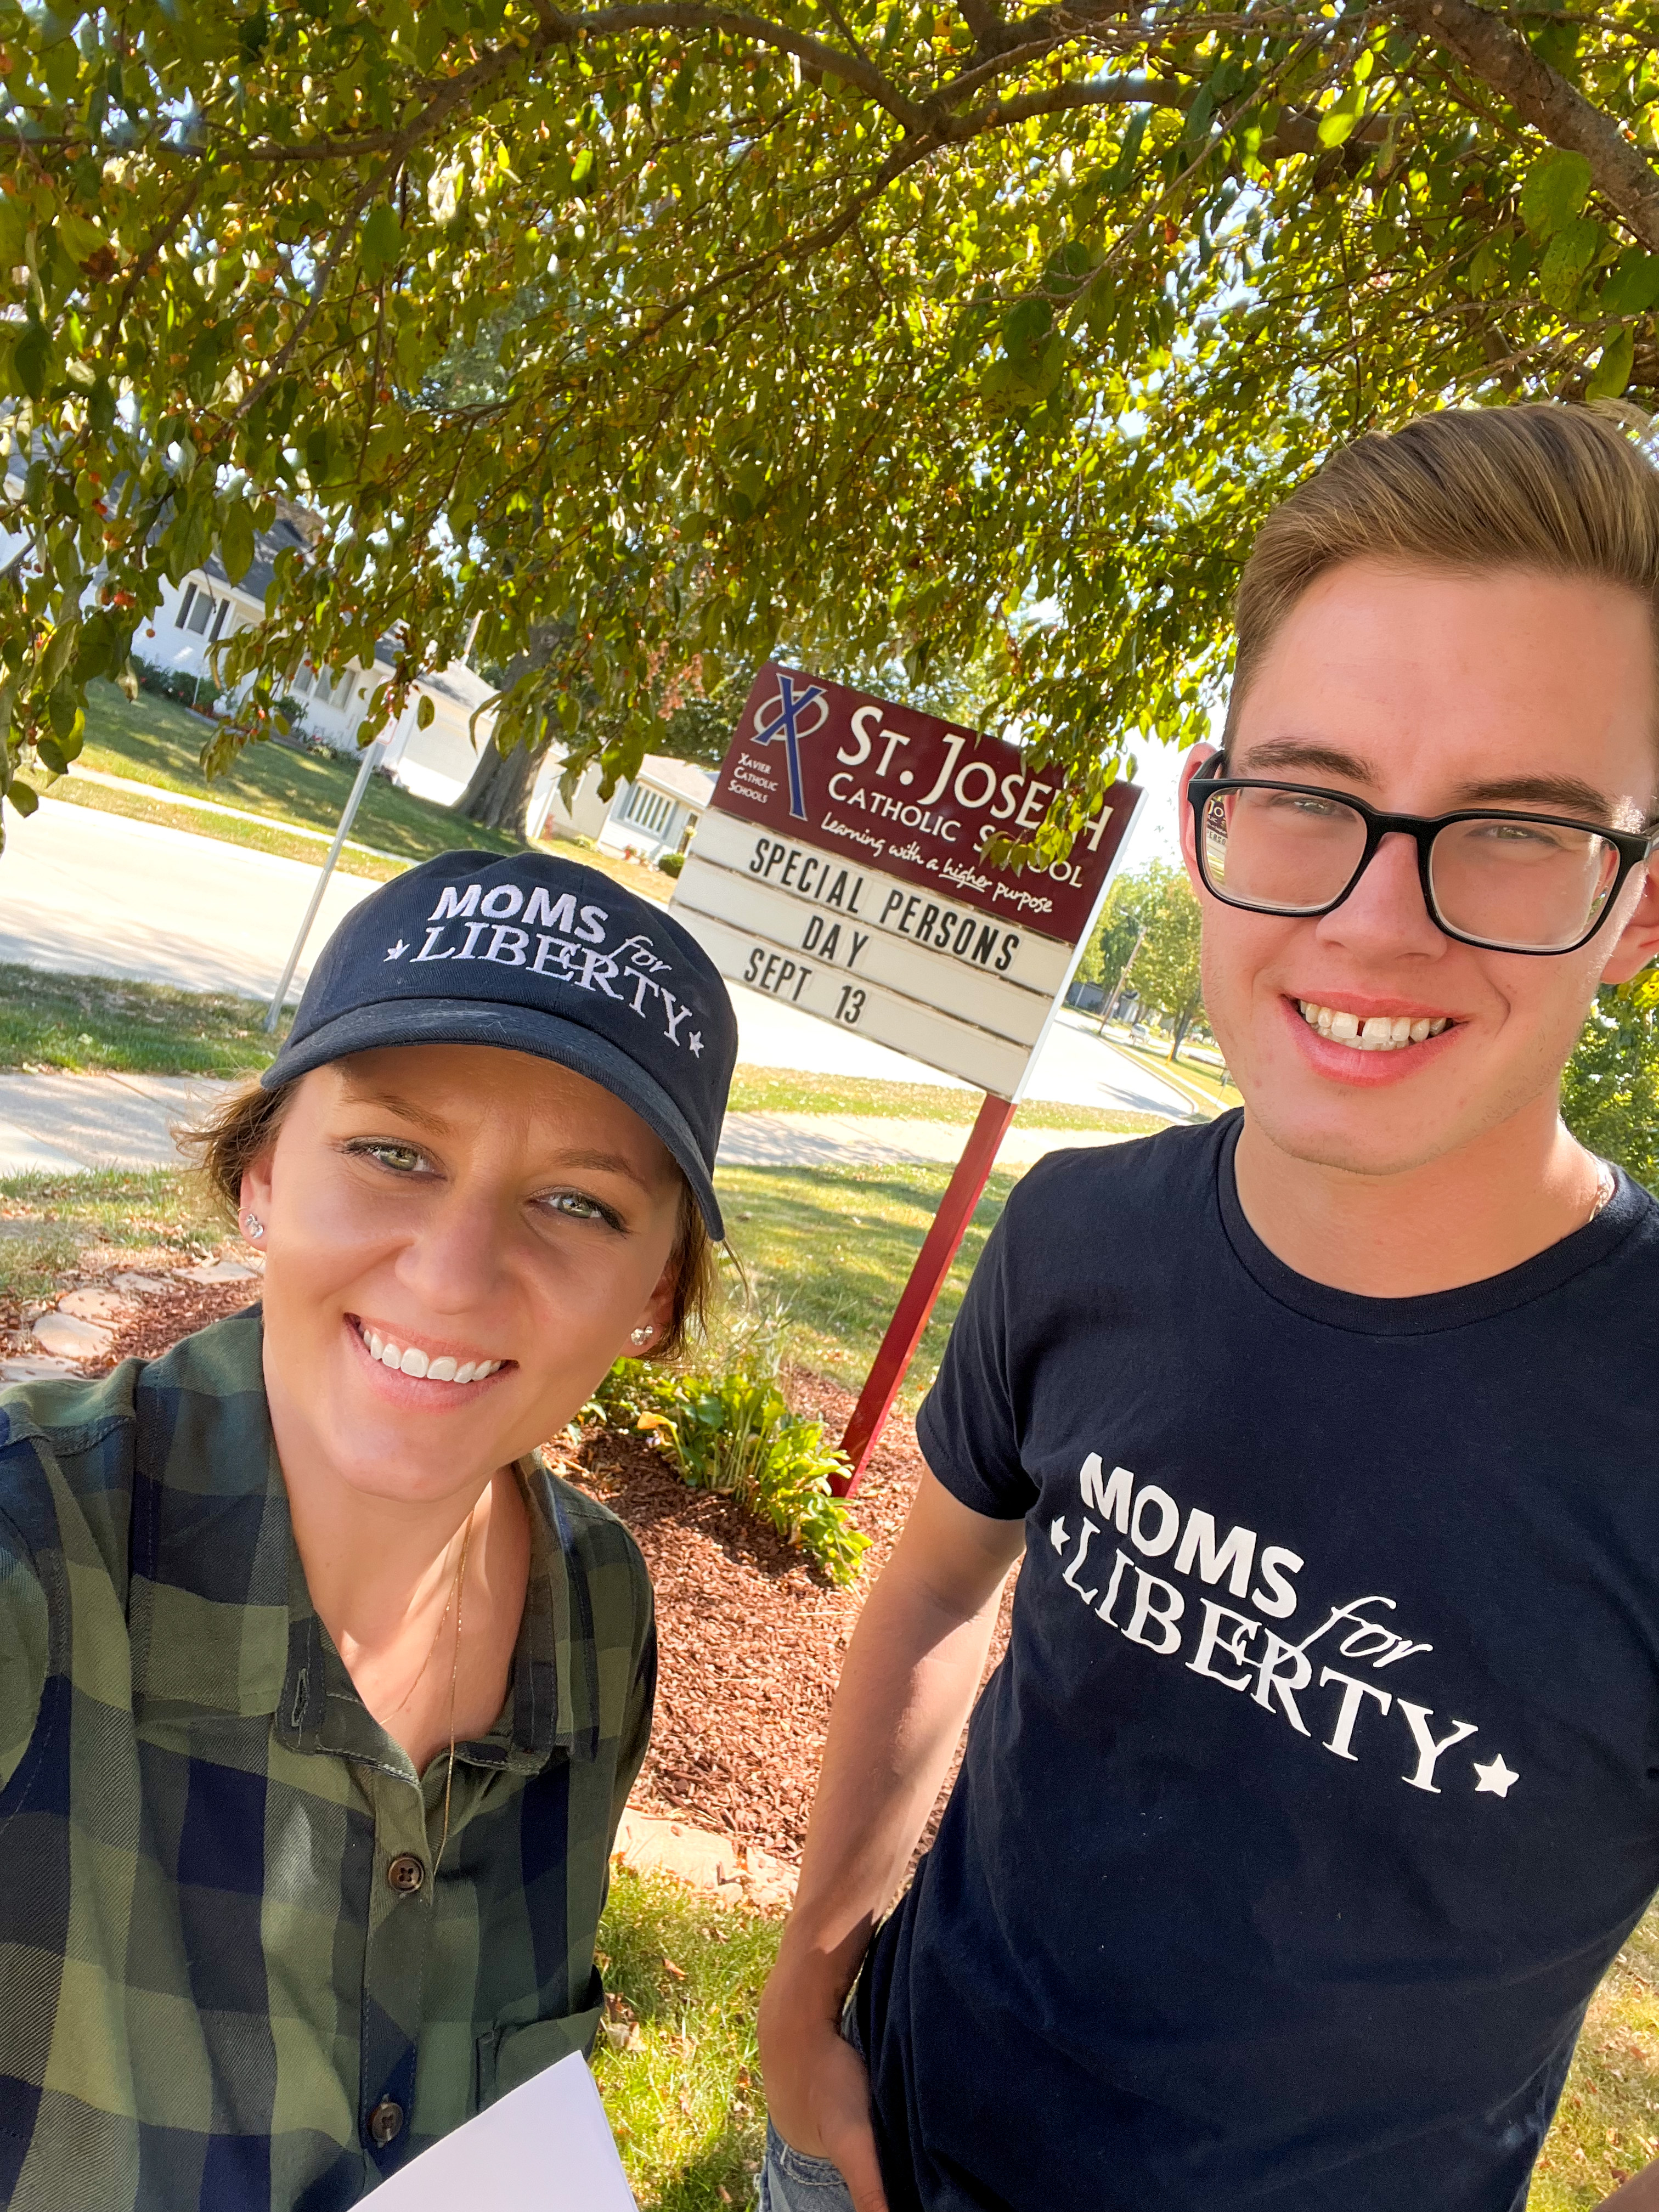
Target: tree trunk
<point x="498" y="796"/>
<point x="1181" y="1029"/>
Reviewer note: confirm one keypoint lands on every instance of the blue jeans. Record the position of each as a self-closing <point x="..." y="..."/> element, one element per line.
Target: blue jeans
<point x="792" y="2182"/>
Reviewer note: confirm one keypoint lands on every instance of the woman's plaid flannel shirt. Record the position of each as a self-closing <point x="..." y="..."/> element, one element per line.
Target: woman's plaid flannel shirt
<point x="214" y="1993"/>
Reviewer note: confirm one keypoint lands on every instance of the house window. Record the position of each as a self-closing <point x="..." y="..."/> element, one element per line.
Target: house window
<point x="183" y="617"/>
<point x="200" y="612"/>
<point x="650" y="811"/>
<point x="304" y="681"/>
<point x="219" y="619"/>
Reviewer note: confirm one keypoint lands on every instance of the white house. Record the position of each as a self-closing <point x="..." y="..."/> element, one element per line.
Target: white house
<point x="658" y="812"/>
<point x="436" y="763"/>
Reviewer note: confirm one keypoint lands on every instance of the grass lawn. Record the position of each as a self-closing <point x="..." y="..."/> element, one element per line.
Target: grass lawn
<point x="156" y="741"/>
<point x="685" y="2102"/>
<point x="831" y="1247"/>
<point x="1204" y="1088"/>
<point x="1607" y="2126"/>
<point x="788" y="1090"/>
<point x="87" y="1024"/>
<point x="47" y="1220"/>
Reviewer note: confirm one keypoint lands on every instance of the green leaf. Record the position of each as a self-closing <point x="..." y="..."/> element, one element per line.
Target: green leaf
<point x="1613" y="371"/>
<point x="33" y="360"/>
<point x="58" y="653"/>
<point x="1341" y="119"/>
<point x="1558" y="184"/>
<point x="236" y="542"/>
<point x="15" y="221"/>
<point x="22" y="796"/>
<point x="79" y="237"/>
<point x="1633" y="287"/>
<point x="1569" y="254"/>
<point x="383" y="240"/>
<point x="425" y="713"/>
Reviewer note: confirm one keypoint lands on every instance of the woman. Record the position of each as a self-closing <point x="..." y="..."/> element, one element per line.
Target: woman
<point x="320" y="1697"/>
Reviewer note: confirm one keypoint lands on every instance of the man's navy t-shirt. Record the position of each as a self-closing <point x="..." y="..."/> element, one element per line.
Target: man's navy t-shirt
<point x="1320" y="1783"/>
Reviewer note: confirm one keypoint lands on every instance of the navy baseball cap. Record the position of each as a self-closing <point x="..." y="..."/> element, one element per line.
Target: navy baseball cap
<point x="540" y="956"/>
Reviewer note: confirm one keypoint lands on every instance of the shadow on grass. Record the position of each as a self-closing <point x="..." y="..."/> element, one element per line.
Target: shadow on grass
<point x="833" y="1247"/>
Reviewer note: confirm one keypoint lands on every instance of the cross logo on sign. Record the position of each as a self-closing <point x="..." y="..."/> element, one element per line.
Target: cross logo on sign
<point x="783" y="725"/>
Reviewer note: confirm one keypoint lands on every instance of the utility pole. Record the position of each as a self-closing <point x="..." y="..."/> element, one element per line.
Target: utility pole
<point x="374" y="752"/>
<point x="1116" y="991"/>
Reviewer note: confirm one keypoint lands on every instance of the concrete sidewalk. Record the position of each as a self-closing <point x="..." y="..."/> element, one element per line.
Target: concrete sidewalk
<point x="71" y="1124"/>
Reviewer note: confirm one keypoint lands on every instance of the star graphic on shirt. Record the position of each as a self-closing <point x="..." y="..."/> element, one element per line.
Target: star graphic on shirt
<point x="1057" y="1535"/>
<point x="696" y="1046"/>
<point x="396" y="951"/>
<point x="1495" y="1777"/>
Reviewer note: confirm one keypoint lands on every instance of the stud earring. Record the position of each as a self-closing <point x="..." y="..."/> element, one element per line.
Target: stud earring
<point x="642" y="1335"/>
<point x="253" y="1227"/>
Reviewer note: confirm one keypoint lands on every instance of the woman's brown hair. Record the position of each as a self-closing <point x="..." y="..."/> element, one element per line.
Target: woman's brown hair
<point x="231" y="1136"/>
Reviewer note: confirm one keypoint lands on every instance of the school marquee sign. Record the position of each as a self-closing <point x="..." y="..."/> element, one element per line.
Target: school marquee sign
<point x="839" y="868"/>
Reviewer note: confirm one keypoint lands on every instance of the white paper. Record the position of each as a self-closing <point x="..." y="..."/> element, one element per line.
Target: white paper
<point x="545" y="2146"/>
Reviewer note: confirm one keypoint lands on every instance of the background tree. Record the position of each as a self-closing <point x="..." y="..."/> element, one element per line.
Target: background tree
<point x="893" y="329"/>
<point x="1159" y="899"/>
<point x="1610" y="1094"/>
<point x="1113" y="941"/>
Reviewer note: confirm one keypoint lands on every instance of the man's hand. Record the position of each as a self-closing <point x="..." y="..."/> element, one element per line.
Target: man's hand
<point x="817" y="2091"/>
<point x="1639" y="2194"/>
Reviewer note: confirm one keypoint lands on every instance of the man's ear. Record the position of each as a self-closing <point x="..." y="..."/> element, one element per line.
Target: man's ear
<point x="1638" y="941"/>
<point x="1187" y="826"/>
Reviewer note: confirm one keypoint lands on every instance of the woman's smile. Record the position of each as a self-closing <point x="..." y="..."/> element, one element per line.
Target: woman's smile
<point x="396" y="1353"/>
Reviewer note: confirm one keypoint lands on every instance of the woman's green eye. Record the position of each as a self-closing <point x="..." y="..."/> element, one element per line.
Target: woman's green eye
<point x="576" y="1205"/>
<point x="401" y="1159"/>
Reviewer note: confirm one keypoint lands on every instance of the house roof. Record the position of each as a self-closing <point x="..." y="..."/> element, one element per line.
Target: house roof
<point x="683" y="779"/>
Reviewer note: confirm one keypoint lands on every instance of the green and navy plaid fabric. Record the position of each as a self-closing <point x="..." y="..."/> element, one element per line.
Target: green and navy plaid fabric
<point x="216" y="1991"/>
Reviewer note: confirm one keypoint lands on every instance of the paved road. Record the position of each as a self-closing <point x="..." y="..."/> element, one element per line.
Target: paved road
<point x="100" y="894"/>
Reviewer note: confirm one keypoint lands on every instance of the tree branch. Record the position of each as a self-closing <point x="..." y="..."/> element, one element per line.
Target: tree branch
<point x="1501" y="57"/>
<point x="1097" y="92"/>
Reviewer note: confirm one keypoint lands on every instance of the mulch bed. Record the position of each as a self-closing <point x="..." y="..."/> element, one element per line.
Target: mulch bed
<point x="750" y="1634"/>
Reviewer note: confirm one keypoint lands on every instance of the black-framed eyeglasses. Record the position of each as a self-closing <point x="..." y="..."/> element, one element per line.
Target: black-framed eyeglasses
<point x="1506" y="881"/>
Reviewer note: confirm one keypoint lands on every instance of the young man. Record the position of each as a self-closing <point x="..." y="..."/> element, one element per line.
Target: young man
<point x="1320" y="1782"/>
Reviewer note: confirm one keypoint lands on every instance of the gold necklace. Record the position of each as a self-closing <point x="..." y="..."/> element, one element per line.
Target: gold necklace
<point x="454" y="1679"/>
<point x="420" y="1672"/>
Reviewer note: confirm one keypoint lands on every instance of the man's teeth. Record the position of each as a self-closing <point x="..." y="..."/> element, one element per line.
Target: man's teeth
<point x="1377" y="1033"/>
<point x="409" y="1360"/>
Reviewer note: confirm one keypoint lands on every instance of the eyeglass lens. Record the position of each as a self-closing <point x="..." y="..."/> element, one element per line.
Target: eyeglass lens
<point x="1527" y="886"/>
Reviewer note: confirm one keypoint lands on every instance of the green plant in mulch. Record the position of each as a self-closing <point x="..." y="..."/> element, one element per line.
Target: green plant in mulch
<point x="734" y="1433"/>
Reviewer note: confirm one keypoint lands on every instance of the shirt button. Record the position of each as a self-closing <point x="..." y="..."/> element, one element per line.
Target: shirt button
<point x="385" y="2122"/>
<point x="406" y="1872"/>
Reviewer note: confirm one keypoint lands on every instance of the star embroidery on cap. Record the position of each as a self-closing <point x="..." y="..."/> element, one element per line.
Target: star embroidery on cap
<point x="396" y="951"/>
<point x="1057" y="1535"/>
<point x="1495" y="1777"/>
<point x="696" y="1046"/>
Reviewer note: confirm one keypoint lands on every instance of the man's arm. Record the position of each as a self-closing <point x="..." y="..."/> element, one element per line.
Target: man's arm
<point x="1639" y="2194"/>
<point x="909" y="1679"/>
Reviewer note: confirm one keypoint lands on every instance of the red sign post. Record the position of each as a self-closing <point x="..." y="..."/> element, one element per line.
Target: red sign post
<point x="840" y="868"/>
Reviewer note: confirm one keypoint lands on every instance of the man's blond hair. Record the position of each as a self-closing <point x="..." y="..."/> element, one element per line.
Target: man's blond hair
<point x="1558" y="489"/>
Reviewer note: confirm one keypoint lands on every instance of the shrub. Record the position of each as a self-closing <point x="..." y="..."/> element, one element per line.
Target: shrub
<point x="176" y="683"/>
<point x="670" y="863"/>
<point x="735" y="1433"/>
